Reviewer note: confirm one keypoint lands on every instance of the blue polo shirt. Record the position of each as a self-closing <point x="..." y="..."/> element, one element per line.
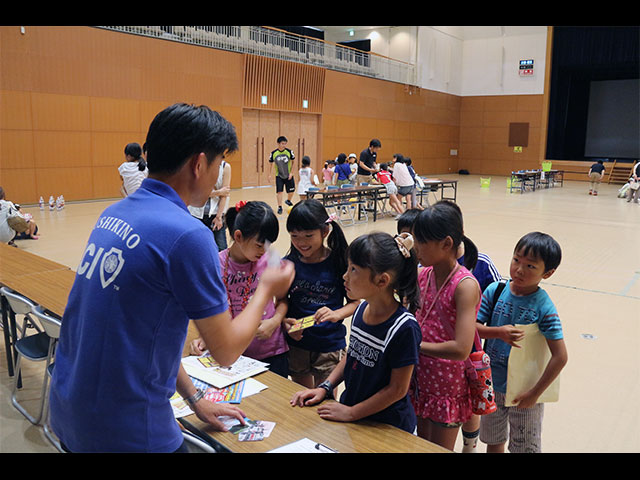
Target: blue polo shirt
<point x="148" y="267"/>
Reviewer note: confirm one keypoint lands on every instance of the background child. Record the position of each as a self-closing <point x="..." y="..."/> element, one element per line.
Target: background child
<point x="405" y="183"/>
<point x="250" y="226"/>
<point x="318" y="290"/>
<point x="327" y="172"/>
<point x="353" y="165"/>
<point x="384" y="339"/>
<point x="406" y="220"/>
<point x="596" y="172"/>
<point x="133" y="170"/>
<point x="536" y="257"/>
<point x="306" y="175"/>
<point x="342" y="172"/>
<point x="447" y="316"/>
<point x="384" y="177"/>
<point x="414" y="192"/>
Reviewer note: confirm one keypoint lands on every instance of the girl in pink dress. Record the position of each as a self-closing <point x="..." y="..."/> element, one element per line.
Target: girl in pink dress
<point x="450" y="299"/>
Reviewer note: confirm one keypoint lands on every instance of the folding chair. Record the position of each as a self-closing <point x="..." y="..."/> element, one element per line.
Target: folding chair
<point x="16" y="304"/>
<point x="352" y="207"/>
<point x="51" y="325"/>
<point x="20" y="305"/>
<point x="196" y="444"/>
<point x="38" y="347"/>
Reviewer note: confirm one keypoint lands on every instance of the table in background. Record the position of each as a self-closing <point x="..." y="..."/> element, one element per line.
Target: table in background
<point x="435" y="184"/>
<point x="334" y="196"/>
<point x="534" y="179"/>
<point x="296" y="423"/>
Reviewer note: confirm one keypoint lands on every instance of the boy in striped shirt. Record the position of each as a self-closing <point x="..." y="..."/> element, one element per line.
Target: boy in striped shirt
<point x="535" y="258"/>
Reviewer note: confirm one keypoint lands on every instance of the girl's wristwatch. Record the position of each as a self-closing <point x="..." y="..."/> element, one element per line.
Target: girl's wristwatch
<point x="326" y="385"/>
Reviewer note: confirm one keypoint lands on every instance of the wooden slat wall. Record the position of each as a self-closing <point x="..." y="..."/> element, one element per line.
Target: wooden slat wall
<point x="421" y="124"/>
<point x="71" y="98"/>
<point x="286" y="85"/>
<point x="484" y="133"/>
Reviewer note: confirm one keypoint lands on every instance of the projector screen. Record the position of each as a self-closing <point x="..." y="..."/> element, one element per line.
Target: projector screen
<point x="613" y="127"/>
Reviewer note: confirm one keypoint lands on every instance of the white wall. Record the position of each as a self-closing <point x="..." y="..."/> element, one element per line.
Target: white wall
<point x="491" y="65"/>
<point x="464" y="61"/>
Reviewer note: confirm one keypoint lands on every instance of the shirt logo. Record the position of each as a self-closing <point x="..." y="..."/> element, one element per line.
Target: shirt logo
<point x="112" y="263"/>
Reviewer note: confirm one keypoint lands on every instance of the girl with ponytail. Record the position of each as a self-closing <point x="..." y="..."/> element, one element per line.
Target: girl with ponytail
<point x="318" y="251"/>
<point x="384" y="340"/>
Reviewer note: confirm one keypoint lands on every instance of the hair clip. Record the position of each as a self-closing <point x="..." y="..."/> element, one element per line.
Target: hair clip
<point x="332" y="218"/>
<point x="405" y="243"/>
<point x="240" y="205"/>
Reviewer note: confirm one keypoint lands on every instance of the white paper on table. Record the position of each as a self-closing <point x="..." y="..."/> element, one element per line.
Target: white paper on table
<point x="526" y="365"/>
<point x="219" y="376"/>
<point x="304" y="445"/>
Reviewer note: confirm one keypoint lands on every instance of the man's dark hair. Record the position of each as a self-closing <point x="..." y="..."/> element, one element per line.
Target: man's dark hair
<point x="542" y="246"/>
<point x="180" y="131"/>
<point x="282" y="139"/>
<point x="375" y="143"/>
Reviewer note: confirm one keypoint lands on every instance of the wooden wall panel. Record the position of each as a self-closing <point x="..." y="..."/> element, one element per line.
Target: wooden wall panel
<point x="75" y="96"/>
<point x="15" y="110"/>
<point x="423" y="125"/>
<point x="484" y="133"/>
<point x="16" y="149"/>
<point x="286" y="85"/>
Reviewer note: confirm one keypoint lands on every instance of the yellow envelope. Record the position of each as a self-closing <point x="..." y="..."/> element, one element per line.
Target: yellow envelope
<point x="526" y="365"/>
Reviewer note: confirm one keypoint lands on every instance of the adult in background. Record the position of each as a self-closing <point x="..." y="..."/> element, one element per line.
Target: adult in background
<point x="141" y="279"/>
<point x="13" y="223"/>
<point x="213" y="211"/>
<point x="367" y="162"/>
<point x="596" y="172"/>
<point x="283" y="159"/>
<point x="633" y="193"/>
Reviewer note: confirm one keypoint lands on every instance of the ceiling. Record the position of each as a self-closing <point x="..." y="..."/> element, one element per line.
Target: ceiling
<point x="462" y="32"/>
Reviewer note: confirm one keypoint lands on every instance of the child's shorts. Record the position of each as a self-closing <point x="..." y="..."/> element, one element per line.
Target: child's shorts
<point x="320" y="365"/>
<point x="521" y="426"/>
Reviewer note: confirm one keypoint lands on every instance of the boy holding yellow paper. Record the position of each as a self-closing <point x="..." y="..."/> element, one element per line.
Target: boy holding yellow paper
<point x="522" y="302"/>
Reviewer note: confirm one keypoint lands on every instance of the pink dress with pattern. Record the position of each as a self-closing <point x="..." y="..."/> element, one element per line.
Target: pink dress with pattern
<point x="440" y="389"/>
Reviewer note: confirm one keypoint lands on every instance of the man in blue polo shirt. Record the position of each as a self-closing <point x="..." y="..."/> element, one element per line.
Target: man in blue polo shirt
<point x="148" y="268"/>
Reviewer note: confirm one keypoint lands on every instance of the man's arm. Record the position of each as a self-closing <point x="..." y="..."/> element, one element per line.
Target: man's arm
<point x="226" y="337"/>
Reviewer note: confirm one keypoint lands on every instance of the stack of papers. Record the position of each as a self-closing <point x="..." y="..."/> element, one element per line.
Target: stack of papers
<point x="220" y="384"/>
<point x="205" y="368"/>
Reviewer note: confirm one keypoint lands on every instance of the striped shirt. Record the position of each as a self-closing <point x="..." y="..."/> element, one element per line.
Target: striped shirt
<point x="512" y="309"/>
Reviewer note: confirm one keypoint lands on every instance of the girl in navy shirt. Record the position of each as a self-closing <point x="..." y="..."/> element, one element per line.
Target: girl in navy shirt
<point x="317" y="290"/>
<point x="384" y="339"/>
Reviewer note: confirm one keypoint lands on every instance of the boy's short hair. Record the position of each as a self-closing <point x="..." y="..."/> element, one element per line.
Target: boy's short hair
<point x="543" y="246"/>
<point x="375" y="143"/>
<point x="407" y="219"/>
<point x="281" y="139"/>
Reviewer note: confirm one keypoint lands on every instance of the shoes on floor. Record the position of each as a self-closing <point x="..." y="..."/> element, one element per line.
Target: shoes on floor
<point x="288" y="202"/>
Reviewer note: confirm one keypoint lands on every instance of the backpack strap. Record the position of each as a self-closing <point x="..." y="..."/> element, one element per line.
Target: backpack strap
<point x="496" y="295"/>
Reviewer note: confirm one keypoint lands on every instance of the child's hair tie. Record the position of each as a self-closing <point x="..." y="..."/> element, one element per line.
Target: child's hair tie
<point x="405" y="243"/>
<point x="240" y="205"/>
<point x="332" y="218"/>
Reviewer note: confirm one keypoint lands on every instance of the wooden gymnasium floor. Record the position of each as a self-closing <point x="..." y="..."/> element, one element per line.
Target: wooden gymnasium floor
<point x="596" y="290"/>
